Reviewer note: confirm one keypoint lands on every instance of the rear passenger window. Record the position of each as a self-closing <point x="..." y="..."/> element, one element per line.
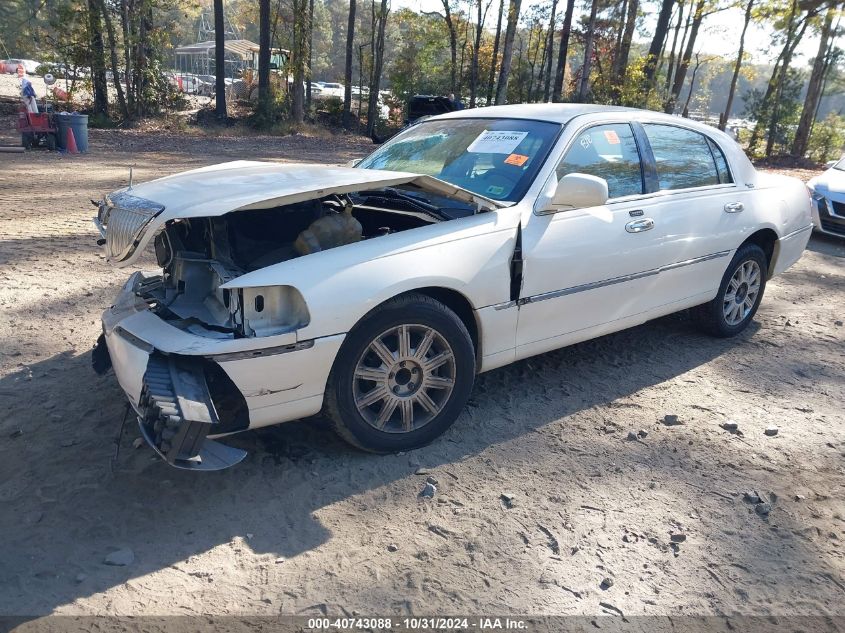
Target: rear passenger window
<point x="610" y="152"/>
<point x="683" y="157"/>
<point x="721" y="163"/>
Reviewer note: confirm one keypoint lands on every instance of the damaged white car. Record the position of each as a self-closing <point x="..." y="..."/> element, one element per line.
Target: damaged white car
<point x="375" y="294"/>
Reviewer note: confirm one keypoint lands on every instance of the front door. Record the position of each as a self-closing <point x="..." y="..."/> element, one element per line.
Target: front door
<point x="587" y="268"/>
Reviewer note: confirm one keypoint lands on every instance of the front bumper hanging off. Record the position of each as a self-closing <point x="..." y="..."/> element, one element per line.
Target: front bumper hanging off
<point x="176" y="413"/>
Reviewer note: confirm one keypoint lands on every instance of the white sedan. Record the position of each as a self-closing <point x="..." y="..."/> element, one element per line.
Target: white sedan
<point x="828" y="193"/>
<point x="375" y="294"/>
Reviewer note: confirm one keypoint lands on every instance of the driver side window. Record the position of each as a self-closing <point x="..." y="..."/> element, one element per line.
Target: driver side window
<point x="610" y="152"/>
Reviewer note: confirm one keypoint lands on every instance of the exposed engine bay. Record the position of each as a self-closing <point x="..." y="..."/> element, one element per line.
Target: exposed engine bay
<point x="199" y="255"/>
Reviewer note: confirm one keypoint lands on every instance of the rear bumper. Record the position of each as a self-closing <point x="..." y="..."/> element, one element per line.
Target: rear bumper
<point x="186" y="387"/>
<point x="789" y="249"/>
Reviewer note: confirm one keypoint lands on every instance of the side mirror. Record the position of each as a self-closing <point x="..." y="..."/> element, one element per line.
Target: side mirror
<point x="830" y="163"/>
<point x="353" y="163"/>
<point x="577" y="191"/>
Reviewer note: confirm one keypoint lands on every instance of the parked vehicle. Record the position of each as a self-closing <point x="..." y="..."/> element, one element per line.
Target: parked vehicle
<point x="421" y="106"/>
<point x="469" y="241"/>
<point x="331" y="90"/>
<point x="10" y="66"/>
<point x="828" y="193"/>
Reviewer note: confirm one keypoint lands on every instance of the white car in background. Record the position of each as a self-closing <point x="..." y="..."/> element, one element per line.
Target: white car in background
<point x="828" y="193"/>
<point x="30" y="66"/>
<point x="331" y="90"/>
<point x="468" y="241"/>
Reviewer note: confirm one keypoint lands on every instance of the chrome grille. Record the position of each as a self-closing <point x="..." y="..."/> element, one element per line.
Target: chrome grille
<point x="124" y="217"/>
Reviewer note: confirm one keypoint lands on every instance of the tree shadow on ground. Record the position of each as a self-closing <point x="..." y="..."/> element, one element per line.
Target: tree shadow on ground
<point x="65" y="509"/>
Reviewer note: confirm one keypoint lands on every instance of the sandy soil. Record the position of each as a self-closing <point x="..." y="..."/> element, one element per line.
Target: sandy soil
<point x="540" y="495"/>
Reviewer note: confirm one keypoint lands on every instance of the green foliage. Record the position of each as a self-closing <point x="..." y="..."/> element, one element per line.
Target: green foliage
<point x="784" y="112"/>
<point x="827" y="139"/>
<point x="421" y="59"/>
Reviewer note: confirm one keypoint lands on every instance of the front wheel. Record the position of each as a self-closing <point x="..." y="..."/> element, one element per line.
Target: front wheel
<point x="402" y="376"/>
<point x="739" y="294"/>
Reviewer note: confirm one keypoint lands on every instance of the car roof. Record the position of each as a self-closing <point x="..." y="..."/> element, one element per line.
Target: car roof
<point x="564" y="112"/>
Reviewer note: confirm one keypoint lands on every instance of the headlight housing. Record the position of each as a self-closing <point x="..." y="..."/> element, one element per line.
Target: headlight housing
<point x="121" y="219"/>
<point x="266" y="310"/>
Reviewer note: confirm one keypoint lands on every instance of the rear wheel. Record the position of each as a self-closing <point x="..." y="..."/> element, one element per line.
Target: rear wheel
<point x="739" y="294"/>
<point x="27" y="140"/>
<point x="51" y="142"/>
<point x="402" y="376"/>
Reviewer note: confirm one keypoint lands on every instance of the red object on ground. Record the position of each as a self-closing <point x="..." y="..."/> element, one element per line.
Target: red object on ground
<point x="71" y="142"/>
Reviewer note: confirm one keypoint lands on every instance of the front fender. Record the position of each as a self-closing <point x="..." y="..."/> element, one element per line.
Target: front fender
<point x="470" y="255"/>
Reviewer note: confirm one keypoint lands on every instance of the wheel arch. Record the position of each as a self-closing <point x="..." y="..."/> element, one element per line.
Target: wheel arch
<point x="461" y="306"/>
<point x="767" y="239"/>
<point x="452" y="299"/>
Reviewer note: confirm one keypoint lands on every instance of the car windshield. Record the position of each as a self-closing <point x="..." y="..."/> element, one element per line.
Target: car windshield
<point x="840" y="164"/>
<point x="495" y="158"/>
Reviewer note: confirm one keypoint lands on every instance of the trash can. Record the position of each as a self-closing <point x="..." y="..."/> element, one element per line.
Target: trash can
<point x="79" y="124"/>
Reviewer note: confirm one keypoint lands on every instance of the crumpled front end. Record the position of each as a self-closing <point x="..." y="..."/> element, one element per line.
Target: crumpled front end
<point x="187" y="389"/>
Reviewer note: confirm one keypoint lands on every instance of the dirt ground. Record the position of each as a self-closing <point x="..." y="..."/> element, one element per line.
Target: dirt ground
<point x="543" y="505"/>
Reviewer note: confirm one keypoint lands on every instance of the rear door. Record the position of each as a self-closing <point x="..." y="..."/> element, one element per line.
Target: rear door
<point x="700" y="209"/>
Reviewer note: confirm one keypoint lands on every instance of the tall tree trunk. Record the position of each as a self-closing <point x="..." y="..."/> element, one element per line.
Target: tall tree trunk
<point x="378" y="63"/>
<point x="507" y="52"/>
<point x="115" y="69"/>
<point x="774" y="119"/>
<point x="495" y="59"/>
<point x="620" y="59"/>
<point x="99" y="84"/>
<point x="550" y="48"/>
<point x="671" y="67"/>
<point x="588" y="54"/>
<point x="620" y="30"/>
<point x="473" y="72"/>
<point x="453" y="46"/>
<point x="125" y="21"/>
<point x="811" y="102"/>
<point x="219" y="61"/>
<point x="347" y="76"/>
<point x="310" y="54"/>
<point x="298" y="53"/>
<point x="723" y="118"/>
<point x="695" y="68"/>
<point x="265" y="100"/>
<point x="565" y="31"/>
<point x="681" y="72"/>
<point x="657" y="41"/>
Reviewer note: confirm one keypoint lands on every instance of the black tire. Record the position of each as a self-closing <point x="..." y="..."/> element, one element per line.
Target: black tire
<point x="711" y="317"/>
<point x="27" y="140"/>
<point x="51" y="142"/>
<point x="412" y="310"/>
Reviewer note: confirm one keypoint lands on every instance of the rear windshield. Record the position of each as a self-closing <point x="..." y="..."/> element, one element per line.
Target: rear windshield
<point x="496" y="158"/>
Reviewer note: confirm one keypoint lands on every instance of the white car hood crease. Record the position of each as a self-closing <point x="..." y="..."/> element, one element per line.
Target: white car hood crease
<point x="247" y="185"/>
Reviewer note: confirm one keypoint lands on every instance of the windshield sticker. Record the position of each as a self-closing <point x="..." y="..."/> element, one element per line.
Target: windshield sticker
<point x="495" y="190"/>
<point x="496" y="142"/>
<point x="516" y="159"/>
<point x="612" y="137"/>
<point x="586" y="141"/>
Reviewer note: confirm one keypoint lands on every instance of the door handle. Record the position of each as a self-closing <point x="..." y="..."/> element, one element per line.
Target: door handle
<point x="734" y="207"/>
<point x="638" y="226"/>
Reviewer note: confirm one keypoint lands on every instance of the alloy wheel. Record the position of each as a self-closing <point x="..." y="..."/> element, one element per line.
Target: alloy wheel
<point x="741" y="293"/>
<point x="404" y="378"/>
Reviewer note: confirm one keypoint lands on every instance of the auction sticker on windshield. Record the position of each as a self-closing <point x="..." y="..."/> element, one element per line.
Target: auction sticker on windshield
<point x="496" y="142"/>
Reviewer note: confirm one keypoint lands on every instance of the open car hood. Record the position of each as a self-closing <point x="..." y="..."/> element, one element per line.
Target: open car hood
<point x="129" y="218"/>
